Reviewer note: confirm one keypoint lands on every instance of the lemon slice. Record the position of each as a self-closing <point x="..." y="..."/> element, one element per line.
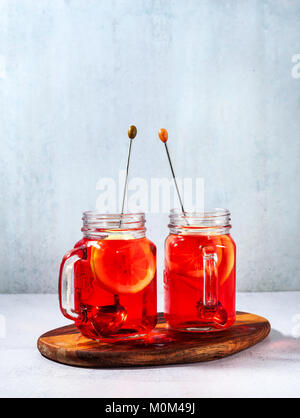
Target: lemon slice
<point x="119" y="236"/>
<point x="122" y="267"/>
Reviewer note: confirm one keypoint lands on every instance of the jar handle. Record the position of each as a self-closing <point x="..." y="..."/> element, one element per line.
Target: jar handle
<point x="210" y="278"/>
<point x="66" y="282"/>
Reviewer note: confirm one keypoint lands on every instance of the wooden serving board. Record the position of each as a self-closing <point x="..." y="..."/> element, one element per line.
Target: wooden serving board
<point x="66" y="345"/>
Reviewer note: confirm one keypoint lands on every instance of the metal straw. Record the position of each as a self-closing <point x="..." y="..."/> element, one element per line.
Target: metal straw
<point x="132" y="131"/>
<point x="163" y="136"/>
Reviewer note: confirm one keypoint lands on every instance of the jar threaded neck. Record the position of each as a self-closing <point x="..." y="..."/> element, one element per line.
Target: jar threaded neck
<point x="100" y="225"/>
<point x="215" y="222"/>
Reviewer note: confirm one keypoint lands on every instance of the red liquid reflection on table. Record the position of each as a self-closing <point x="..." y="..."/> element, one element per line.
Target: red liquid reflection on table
<point x="199" y="282"/>
<point x="115" y="288"/>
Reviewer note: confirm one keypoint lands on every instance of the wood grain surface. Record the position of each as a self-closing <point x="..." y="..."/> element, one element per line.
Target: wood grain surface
<point x="66" y="345"/>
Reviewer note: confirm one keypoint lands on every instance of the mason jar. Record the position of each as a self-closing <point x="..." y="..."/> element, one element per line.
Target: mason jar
<point x="200" y="271"/>
<point x="107" y="282"/>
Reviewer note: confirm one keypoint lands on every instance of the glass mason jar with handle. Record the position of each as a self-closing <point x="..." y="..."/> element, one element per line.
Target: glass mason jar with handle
<point x="200" y="271"/>
<point x="107" y="283"/>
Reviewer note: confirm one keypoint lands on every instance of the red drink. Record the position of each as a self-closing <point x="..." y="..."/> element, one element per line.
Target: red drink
<point x="114" y="282"/>
<point x="199" y="277"/>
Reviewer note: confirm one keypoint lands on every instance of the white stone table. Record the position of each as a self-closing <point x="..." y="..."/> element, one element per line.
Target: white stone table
<point x="272" y="368"/>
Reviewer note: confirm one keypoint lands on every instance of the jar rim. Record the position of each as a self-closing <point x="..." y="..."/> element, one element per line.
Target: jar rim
<point x="102" y="215"/>
<point x="212" y="213"/>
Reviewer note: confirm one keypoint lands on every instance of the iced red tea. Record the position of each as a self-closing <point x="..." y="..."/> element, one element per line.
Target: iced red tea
<point x="114" y="282"/>
<point x="199" y="277"/>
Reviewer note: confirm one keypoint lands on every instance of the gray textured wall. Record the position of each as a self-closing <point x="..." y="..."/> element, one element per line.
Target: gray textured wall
<point x="75" y="73"/>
